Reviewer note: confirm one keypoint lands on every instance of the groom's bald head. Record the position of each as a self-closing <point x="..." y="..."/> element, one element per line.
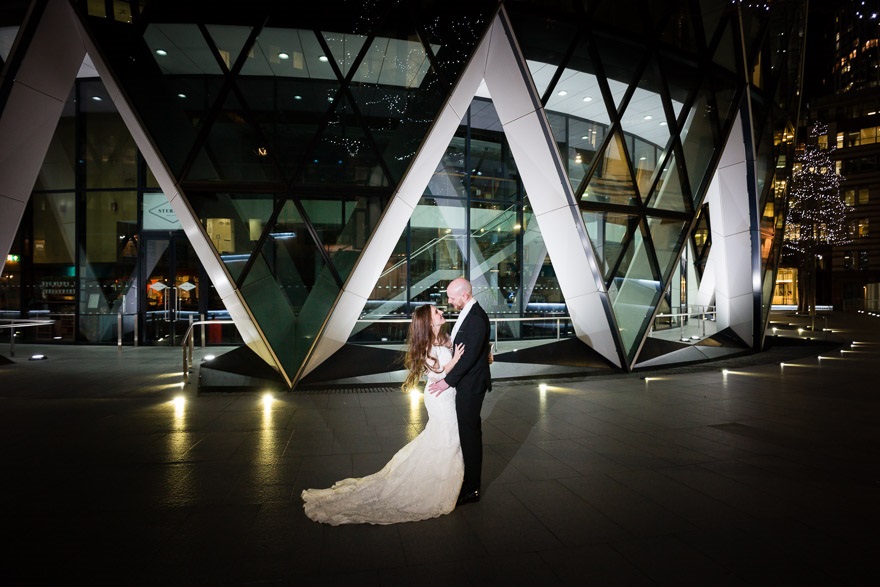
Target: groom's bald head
<point x="458" y="292"/>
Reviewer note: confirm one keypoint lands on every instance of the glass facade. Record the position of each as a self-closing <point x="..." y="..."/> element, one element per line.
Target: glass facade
<point x="289" y="135"/>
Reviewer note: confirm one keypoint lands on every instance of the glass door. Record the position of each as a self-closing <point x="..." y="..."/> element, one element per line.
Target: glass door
<point x="171" y="277"/>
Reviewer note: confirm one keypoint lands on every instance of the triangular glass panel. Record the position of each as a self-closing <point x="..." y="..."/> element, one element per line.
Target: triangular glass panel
<point x="540" y="286"/>
<point x="279" y="52"/>
<point x="634" y="291"/>
<point x="272" y="311"/>
<point x="192" y="80"/>
<point x="494" y="235"/>
<point x="701" y="236"/>
<point x="343" y="225"/>
<point x="453" y="35"/>
<point x="292" y="256"/>
<point x="236" y="150"/>
<point x="181" y="49"/>
<point x="612" y="182"/>
<point x="387" y="301"/>
<point x="577" y="92"/>
<point x="230" y="41"/>
<point x="699" y="138"/>
<point x="667" y="194"/>
<point x="712" y="12"/>
<point x="195" y="96"/>
<point x="544" y="44"/>
<point x="233" y="223"/>
<point x="725" y="100"/>
<point x="728" y="48"/>
<point x="344" y="49"/>
<point x="393" y="126"/>
<point x="290" y="115"/>
<point x="399" y="90"/>
<point x="344" y="153"/>
<point x="622" y="62"/>
<point x="583" y="140"/>
<point x="681" y="82"/>
<point x="644" y="126"/>
<point x="609" y="232"/>
<point x="667" y="235"/>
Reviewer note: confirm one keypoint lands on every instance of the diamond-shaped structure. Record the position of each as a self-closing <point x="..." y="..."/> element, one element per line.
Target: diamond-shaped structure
<point x="332" y="170"/>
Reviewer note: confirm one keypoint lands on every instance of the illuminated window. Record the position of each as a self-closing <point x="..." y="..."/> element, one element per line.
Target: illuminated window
<point x="856" y="196"/>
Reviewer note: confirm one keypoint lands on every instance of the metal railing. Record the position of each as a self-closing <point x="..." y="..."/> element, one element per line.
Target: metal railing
<point x="494" y="321"/>
<point x="704" y="315"/>
<point x="12" y="325"/>
<point x="188" y="343"/>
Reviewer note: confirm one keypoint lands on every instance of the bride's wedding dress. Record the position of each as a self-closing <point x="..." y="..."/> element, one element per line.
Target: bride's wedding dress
<point x="421" y="481"/>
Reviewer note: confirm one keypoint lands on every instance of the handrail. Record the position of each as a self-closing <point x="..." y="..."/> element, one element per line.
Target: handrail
<point x="702" y="315"/>
<point x="13" y="323"/>
<point x="557" y="319"/>
<point x="189" y="346"/>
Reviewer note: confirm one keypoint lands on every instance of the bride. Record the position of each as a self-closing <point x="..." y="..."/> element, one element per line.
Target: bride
<point x="423" y="479"/>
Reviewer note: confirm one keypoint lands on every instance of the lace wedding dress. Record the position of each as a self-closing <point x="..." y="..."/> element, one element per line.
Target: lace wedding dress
<point x="421" y="481"/>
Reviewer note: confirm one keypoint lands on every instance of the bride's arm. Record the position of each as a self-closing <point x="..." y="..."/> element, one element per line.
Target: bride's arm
<point x="457" y="352"/>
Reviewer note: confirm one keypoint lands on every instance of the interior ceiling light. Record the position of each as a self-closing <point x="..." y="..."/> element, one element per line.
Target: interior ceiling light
<point x="283" y="55"/>
<point x="162" y="52"/>
<point x="588" y="99"/>
<point x="563" y="93"/>
<point x="97" y="98"/>
<point x="648" y="117"/>
<point x="323" y="59"/>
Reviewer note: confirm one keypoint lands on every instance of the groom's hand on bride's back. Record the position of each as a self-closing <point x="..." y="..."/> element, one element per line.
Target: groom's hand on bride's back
<point x="438" y="387"/>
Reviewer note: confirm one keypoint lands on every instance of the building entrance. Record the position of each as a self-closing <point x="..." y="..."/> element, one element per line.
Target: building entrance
<point x="172" y="276"/>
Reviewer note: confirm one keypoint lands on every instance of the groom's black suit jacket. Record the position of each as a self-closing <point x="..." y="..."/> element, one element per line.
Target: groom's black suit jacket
<point x="471" y="374"/>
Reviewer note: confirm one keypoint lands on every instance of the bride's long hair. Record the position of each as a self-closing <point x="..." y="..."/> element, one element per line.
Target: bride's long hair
<point x="421" y="338"/>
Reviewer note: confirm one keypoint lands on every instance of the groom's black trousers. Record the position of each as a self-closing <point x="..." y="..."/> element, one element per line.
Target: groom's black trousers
<point x="470" y="432"/>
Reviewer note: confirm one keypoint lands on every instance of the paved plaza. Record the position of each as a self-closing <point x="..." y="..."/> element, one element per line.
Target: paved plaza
<point x="741" y="472"/>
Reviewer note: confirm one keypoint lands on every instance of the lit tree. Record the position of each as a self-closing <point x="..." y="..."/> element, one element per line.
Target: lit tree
<point x="816" y="216"/>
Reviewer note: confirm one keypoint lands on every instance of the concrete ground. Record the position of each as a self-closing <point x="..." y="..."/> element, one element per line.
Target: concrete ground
<point x="115" y="473"/>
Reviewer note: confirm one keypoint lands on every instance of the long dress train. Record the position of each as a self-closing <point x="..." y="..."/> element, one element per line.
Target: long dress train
<point x="421" y="481"/>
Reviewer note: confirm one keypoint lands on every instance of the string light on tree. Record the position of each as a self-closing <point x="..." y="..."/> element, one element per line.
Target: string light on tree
<point x="816" y="215"/>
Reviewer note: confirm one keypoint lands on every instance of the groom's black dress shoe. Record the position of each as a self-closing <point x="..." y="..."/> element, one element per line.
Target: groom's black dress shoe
<point x="469" y="497"/>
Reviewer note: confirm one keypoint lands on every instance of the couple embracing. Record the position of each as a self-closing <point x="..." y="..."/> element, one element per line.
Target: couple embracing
<point x="440" y="469"/>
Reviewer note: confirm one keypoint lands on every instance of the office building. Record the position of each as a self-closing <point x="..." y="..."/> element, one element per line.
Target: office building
<point x="608" y="173"/>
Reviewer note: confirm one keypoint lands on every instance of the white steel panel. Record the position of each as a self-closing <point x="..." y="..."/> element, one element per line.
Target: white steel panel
<point x="469" y="82"/>
<point x="591" y="325"/>
<point x="26" y="128"/>
<point x="741" y="312"/>
<point x="566" y="248"/>
<point x="536" y="163"/>
<point x="55" y="53"/>
<point x="733" y="187"/>
<point x="513" y="94"/>
<point x="380" y="246"/>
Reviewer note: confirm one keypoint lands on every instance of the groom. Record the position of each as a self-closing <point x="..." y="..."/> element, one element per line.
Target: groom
<point x="471" y="378"/>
